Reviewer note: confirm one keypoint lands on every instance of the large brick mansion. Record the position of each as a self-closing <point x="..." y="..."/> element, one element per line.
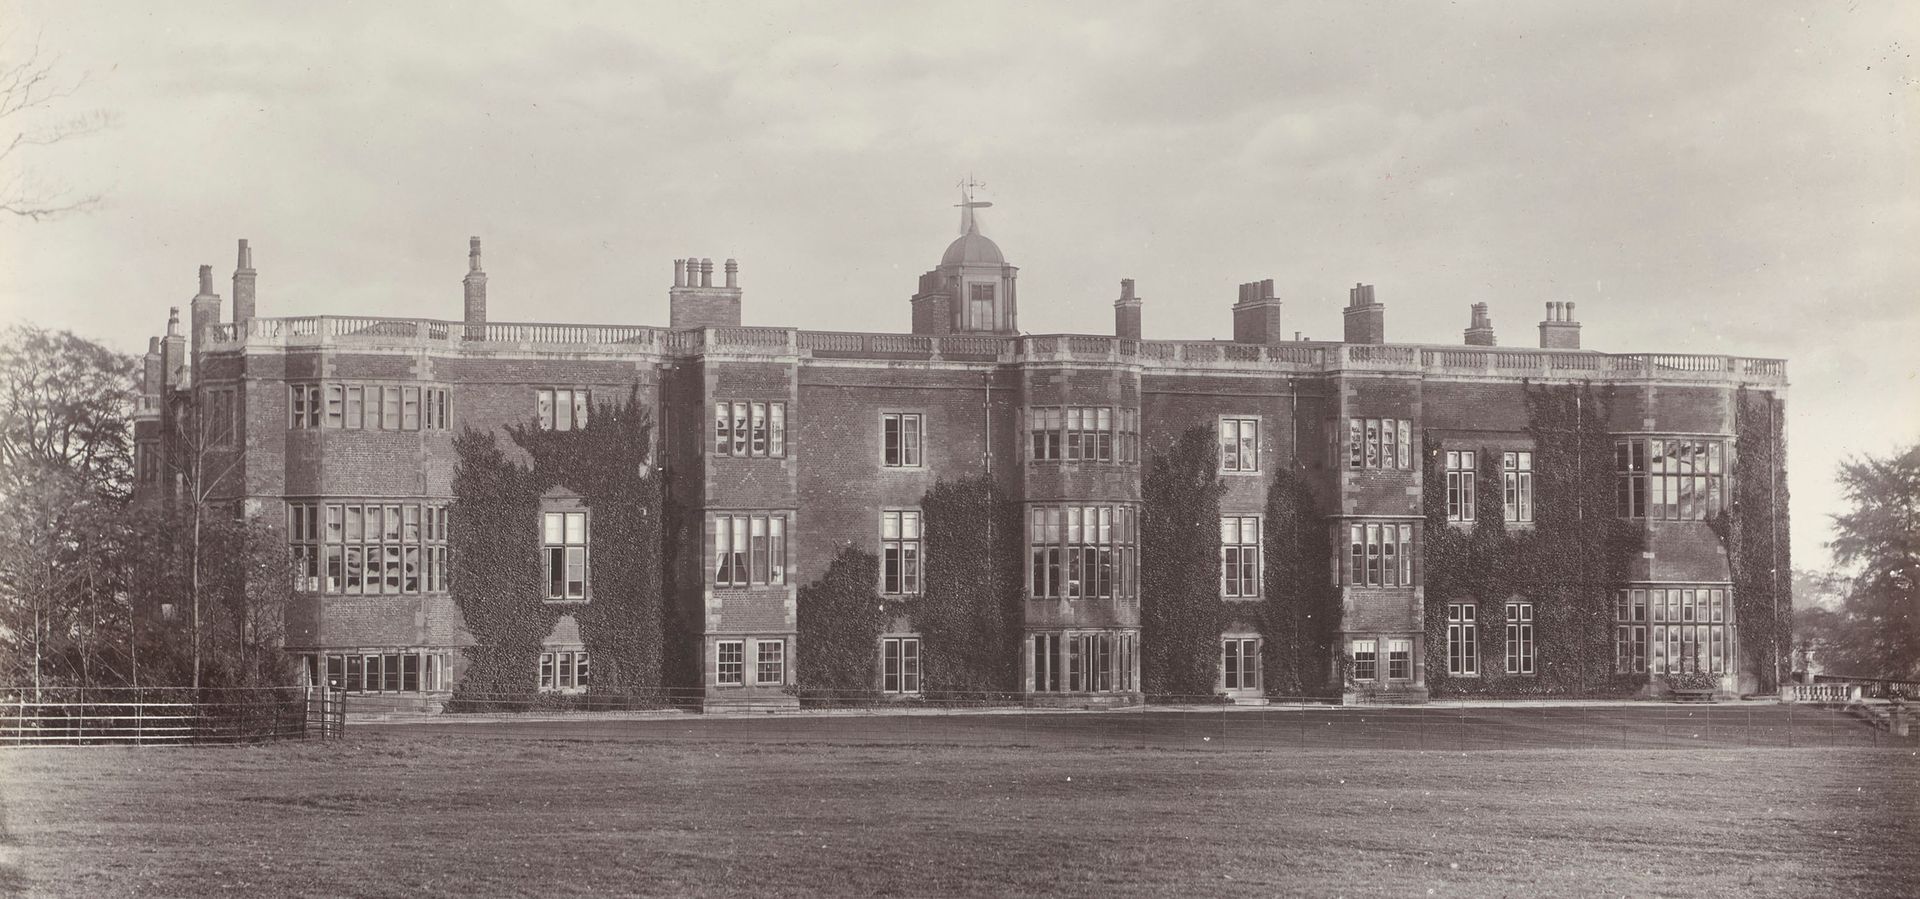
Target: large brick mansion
<point x="782" y="445"/>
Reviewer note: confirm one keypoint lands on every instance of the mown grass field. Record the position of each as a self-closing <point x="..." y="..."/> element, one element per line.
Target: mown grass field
<point x="436" y="812"/>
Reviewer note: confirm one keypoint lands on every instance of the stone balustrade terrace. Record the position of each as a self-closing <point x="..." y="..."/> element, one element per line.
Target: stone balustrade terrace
<point x="1303" y="357"/>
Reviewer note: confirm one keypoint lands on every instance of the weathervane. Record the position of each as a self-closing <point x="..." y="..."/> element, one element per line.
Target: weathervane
<point x="968" y="204"/>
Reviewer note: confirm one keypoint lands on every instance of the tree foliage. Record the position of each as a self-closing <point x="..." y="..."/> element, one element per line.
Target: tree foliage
<point x="1301" y="615"/>
<point x="970" y="617"/>
<point x="1876" y="632"/>
<point x="840" y="618"/>
<point x="494" y="527"/>
<point x="1180" y="608"/>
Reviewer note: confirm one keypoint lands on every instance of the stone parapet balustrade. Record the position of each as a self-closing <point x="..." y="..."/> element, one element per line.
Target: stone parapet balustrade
<point x="1204" y="355"/>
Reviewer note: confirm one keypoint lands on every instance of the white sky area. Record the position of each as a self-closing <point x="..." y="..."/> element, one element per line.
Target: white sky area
<point x="1698" y="177"/>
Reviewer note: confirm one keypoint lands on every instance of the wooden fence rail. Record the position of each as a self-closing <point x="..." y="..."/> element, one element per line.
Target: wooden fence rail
<point x="167" y="716"/>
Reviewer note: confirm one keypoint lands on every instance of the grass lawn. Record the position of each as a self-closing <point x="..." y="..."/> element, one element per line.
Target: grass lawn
<point x="427" y="813"/>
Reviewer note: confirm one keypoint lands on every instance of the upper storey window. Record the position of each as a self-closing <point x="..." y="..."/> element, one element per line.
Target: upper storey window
<point x="560" y="408"/>
<point x="1239" y="444"/>
<point x="1084" y="434"/>
<point x="1516" y="473"/>
<point x="979" y="307"/>
<point x="368" y="407"/>
<point x="750" y="429"/>
<point x="900" y="439"/>
<point x="1460" y="472"/>
<point x="563" y="539"/>
<point x="1380" y="443"/>
<point x="1675" y="479"/>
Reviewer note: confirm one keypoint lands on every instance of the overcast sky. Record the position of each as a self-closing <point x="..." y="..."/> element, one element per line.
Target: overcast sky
<point x="1714" y="178"/>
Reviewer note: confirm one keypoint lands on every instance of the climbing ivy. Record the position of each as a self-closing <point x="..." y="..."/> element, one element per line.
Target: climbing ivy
<point x="494" y="541"/>
<point x="970" y="618"/>
<point x="1301" y="614"/>
<point x="840" y="619"/>
<point x="1181" y="612"/>
<point x="1566" y="565"/>
<point x="1755" y="533"/>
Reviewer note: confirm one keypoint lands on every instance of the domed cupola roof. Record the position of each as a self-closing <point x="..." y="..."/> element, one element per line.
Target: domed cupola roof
<point x="971" y="248"/>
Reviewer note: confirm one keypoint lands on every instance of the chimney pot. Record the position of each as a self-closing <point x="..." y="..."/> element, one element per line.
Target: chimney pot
<point x="733" y="273"/>
<point x="706" y="272"/>
<point x="206" y="280"/>
<point x="1570" y="313"/>
<point x="679" y="272"/>
<point x="1126" y="288"/>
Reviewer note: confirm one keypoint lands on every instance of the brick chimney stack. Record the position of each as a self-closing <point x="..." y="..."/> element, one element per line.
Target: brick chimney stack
<point x="1366" y="320"/>
<point x="173" y="354"/>
<point x="1256" y="317"/>
<point x="694" y="302"/>
<point x="243" y="289"/>
<point x="151" y="368"/>
<point x="205" y="312"/>
<point x="1126" y="312"/>
<point x="1480" y="329"/>
<point x="1560" y="330"/>
<point x="476" y="287"/>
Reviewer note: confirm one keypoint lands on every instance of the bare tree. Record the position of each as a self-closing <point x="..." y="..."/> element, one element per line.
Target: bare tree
<point x="32" y="116"/>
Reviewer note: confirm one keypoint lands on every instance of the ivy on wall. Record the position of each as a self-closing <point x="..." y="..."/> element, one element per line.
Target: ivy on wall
<point x="970" y="617"/>
<point x="1301" y="614"/>
<point x="494" y="541"/>
<point x="1566" y="565"/>
<point x="1181" y="611"/>
<point x="1755" y="531"/>
<point x="840" y="619"/>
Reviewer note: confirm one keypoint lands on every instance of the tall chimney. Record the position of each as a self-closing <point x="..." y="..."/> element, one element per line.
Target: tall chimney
<point x="476" y="287"/>
<point x="1126" y="312"/>
<point x="1480" y="329"/>
<point x="173" y="353"/>
<point x="1559" y="331"/>
<point x="243" y="289"/>
<point x="151" y="368"/>
<point x="1366" y="320"/>
<point x="1256" y="317"/>
<point x="205" y="312"/>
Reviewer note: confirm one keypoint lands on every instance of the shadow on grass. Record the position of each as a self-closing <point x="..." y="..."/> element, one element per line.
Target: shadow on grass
<point x="13" y="873"/>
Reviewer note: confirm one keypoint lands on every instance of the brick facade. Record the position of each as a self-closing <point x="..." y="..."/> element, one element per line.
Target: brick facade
<point x="973" y="390"/>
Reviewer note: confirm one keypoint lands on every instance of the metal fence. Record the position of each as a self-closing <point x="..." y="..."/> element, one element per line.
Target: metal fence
<point x="1165" y="722"/>
<point x="108" y="716"/>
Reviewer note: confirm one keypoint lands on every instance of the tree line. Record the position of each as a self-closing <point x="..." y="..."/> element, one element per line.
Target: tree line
<point x="98" y="587"/>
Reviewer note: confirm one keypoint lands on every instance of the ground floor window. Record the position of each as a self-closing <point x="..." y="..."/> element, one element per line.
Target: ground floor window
<point x="1240" y="663"/>
<point x="1674" y="630"/>
<point x="1101" y="662"/>
<point x="1366" y="660"/>
<point x="1400" y="660"/>
<point x="729" y="662"/>
<point x="1519" y="638"/>
<point x="900" y="665"/>
<point x="1463" y="639"/>
<point x="381" y="671"/>
<point x="772" y="667"/>
<point x="563" y="670"/>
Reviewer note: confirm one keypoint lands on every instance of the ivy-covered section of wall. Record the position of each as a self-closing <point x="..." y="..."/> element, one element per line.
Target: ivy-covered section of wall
<point x="1180" y="609"/>
<point x="841" y="617"/>
<point x="494" y="538"/>
<point x="1566" y="565"/>
<point x="1301" y="615"/>
<point x="970" y="617"/>
<point x="1755" y="531"/>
